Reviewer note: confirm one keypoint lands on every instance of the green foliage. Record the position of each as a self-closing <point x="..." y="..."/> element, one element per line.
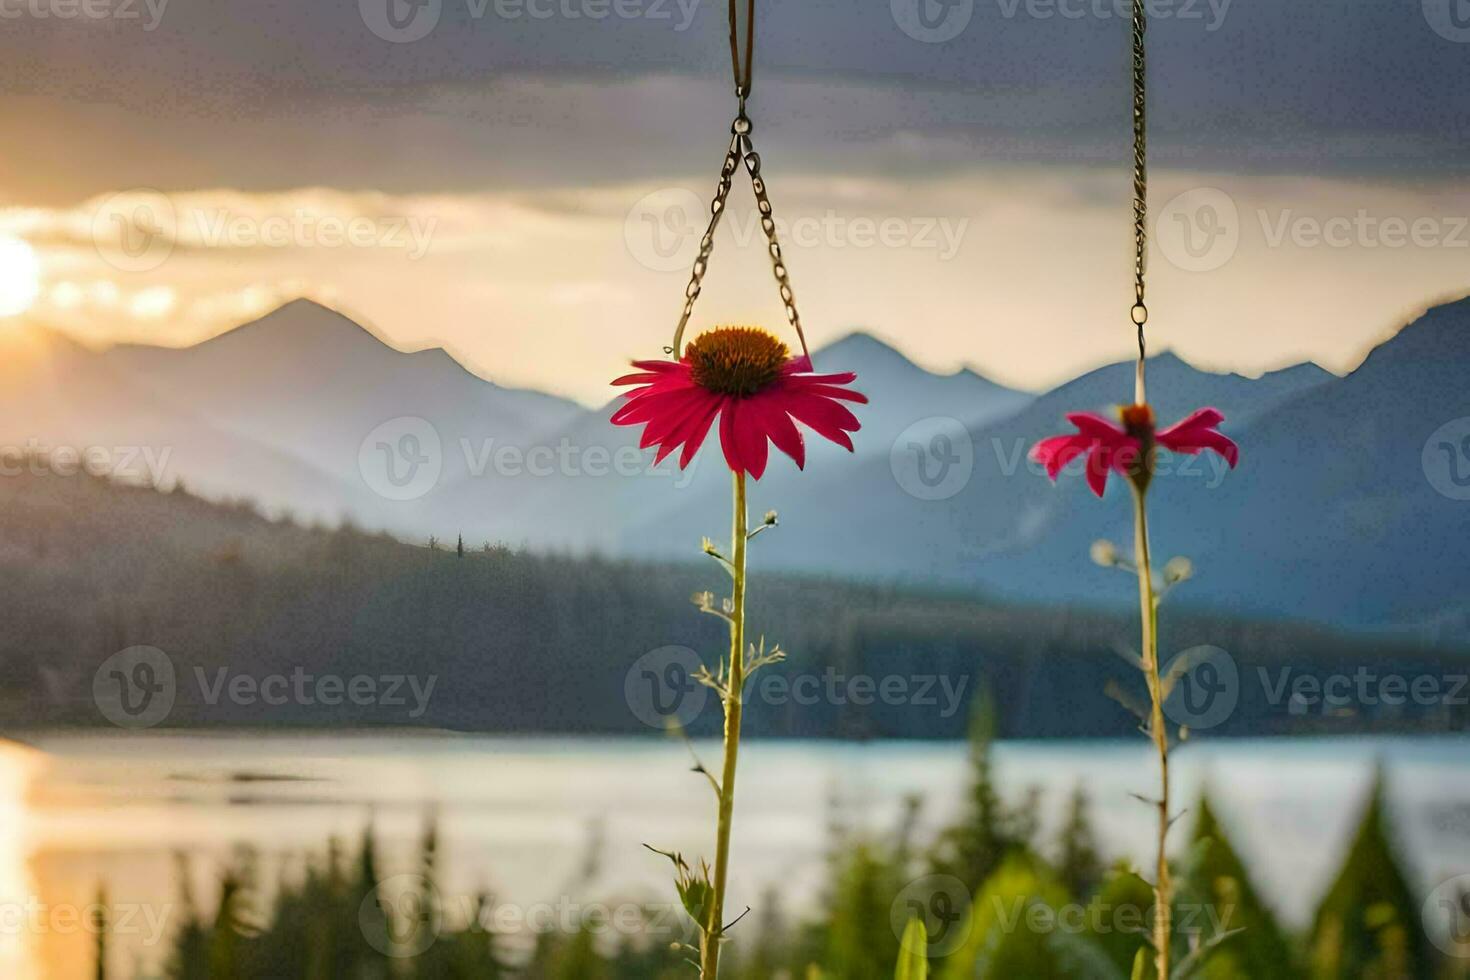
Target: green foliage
<point x="1368" y="926"/>
<point x="913" y="960"/>
<point x="1079" y="865"/>
<point x="1115" y="919"/>
<point x="1006" y="928"/>
<point x="989" y="831"/>
<point x="1219" y="884"/>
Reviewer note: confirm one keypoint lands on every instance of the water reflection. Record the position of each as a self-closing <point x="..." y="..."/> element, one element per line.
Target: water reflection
<point x="19" y="955"/>
<point x="514" y="814"/>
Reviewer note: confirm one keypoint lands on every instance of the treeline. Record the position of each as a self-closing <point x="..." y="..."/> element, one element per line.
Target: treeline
<point x="998" y="901"/>
<point x="253" y="612"/>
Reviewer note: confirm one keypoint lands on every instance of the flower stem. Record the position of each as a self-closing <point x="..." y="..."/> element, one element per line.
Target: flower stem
<point x="734" y="706"/>
<point x="1149" y="615"/>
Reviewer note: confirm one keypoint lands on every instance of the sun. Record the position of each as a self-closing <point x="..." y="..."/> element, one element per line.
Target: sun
<point x="20" y="276"/>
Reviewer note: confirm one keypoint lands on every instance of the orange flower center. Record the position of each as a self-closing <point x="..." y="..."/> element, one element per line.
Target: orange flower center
<point x="1138" y="419"/>
<point x="735" y="360"/>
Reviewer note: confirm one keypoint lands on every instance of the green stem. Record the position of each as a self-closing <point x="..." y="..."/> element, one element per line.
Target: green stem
<point x="734" y="706"/>
<point x="1149" y="615"/>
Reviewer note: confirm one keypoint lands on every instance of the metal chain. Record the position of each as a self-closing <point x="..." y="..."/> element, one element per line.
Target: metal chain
<point x="1139" y="313"/>
<point x="707" y="243"/>
<point x="742" y="149"/>
<point x="744" y="75"/>
<point x="768" y="225"/>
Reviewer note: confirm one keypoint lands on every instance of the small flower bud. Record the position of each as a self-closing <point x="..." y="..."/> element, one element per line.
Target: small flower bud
<point x="1178" y="570"/>
<point x="770" y="519"/>
<point x="1104" y="553"/>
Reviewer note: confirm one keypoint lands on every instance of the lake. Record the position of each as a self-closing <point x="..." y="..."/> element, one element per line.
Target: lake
<point x="542" y="821"/>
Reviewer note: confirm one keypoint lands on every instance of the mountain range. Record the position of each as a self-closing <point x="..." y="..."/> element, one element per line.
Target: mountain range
<point x="1346" y="507"/>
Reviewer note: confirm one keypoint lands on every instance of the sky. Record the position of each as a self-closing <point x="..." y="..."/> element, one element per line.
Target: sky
<point x="524" y="182"/>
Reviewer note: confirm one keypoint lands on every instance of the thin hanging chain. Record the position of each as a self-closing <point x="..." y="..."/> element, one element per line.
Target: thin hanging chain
<point x="707" y="243"/>
<point x="744" y="74"/>
<point x="1139" y="313"/>
<point x="742" y="148"/>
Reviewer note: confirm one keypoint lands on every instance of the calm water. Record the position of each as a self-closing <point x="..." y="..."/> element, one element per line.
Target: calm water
<point x="526" y="817"/>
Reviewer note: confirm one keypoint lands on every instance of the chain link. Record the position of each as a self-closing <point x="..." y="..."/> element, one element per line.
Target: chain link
<point x="1139" y="313"/>
<point x="707" y="243"/>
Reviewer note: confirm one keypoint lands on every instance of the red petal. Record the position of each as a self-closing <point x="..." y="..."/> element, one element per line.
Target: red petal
<point x="644" y="406"/>
<point x="697" y="431"/>
<point x="845" y="378"/>
<point x="1055" y="453"/>
<point x="673" y="415"/>
<point x="636" y="379"/>
<point x="832" y="391"/>
<point x="834" y="414"/>
<point x="821" y="415"/>
<point x="1206" y="418"/>
<point x="1097" y="471"/>
<point x="750" y="434"/>
<point x="1096" y="426"/>
<point x="1191" y="443"/>
<point x="781" y="429"/>
<point x="727" y="436"/>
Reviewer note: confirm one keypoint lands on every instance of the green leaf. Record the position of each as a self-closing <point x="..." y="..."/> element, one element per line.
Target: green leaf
<point x="913" y="960"/>
<point x="1140" y="964"/>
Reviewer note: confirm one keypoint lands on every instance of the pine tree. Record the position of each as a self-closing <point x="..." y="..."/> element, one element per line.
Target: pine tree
<point x="1218" y="880"/>
<point x="459" y="547"/>
<point x="1078" y="863"/>
<point x="1368" y="926"/>
<point x="974" y="848"/>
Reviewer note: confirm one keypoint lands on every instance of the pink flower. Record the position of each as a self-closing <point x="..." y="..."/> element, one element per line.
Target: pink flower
<point x="1128" y="449"/>
<point x="746" y="377"/>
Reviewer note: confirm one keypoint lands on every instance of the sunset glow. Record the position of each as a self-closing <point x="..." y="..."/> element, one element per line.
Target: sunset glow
<point x="20" y="276"/>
